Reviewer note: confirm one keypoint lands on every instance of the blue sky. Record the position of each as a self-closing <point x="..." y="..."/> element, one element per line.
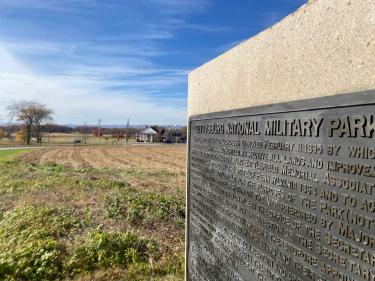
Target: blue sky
<point x="119" y="59"/>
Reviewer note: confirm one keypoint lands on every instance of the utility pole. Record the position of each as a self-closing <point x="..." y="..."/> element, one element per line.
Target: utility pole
<point x="127" y="131"/>
<point x="85" y="133"/>
<point x="99" y="128"/>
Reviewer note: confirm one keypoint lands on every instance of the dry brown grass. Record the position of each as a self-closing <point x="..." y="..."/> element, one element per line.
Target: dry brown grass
<point x="114" y="189"/>
<point x="157" y="168"/>
<point x="133" y="157"/>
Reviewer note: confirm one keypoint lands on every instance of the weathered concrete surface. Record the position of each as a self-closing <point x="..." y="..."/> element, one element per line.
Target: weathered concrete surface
<point x="325" y="48"/>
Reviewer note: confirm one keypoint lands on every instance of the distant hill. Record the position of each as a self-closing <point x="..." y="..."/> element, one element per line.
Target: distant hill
<point x="113" y="126"/>
<point x="116" y="126"/>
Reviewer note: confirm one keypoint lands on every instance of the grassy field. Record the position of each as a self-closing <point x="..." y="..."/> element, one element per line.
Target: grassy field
<point x="99" y="213"/>
<point x="7" y="155"/>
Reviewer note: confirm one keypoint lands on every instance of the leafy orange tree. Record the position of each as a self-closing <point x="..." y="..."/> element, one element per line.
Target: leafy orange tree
<point x="21" y="136"/>
<point x="2" y="134"/>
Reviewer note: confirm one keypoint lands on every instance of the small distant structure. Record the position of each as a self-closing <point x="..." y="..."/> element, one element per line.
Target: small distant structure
<point x="172" y="135"/>
<point x="77" y="141"/>
<point x="161" y="134"/>
<point x="147" y="135"/>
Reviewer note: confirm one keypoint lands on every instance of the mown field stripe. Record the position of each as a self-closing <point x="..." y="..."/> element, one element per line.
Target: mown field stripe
<point x="6" y="155"/>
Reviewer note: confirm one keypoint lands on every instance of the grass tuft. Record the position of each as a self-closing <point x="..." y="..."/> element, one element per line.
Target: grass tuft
<point x="107" y="250"/>
<point x="145" y="208"/>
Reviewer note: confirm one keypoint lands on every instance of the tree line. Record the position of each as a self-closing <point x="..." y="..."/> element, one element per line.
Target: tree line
<point x="55" y="128"/>
<point x="35" y="118"/>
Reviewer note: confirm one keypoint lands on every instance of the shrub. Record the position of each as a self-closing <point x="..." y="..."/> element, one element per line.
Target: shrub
<point x="140" y="208"/>
<point x="115" y="208"/>
<point x="104" y="250"/>
<point x="29" y="246"/>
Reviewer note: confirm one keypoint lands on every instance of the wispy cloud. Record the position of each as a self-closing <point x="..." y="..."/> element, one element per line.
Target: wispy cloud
<point x="39" y="47"/>
<point x="177" y="7"/>
<point x="79" y="99"/>
<point x="110" y="59"/>
<point x="56" y="5"/>
<point x="204" y="28"/>
<point x="90" y="73"/>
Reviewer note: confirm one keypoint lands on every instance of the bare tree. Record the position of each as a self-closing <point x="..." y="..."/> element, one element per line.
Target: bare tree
<point x="30" y="113"/>
<point x="41" y="114"/>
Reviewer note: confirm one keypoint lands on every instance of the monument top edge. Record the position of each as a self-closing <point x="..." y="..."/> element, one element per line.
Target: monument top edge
<point x="340" y="100"/>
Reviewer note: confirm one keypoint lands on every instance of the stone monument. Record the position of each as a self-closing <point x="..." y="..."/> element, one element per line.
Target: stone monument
<point x="281" y="164"/>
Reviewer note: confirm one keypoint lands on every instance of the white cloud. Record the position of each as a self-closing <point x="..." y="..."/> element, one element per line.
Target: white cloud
<point x="76" y="99"/>
<point x="176" y="7"/>
<point x="54" y="5"/>
<point x="36" y="47"/>
<point x="204" y="28"/>
<point x="74" y="57"/>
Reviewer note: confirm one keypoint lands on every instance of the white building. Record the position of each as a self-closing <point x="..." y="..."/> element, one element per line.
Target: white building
<point x="147" y="135"/>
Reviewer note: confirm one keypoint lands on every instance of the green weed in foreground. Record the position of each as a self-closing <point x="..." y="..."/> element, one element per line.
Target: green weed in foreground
<point x="31" y="247"/>
<point x="104" y="250"/>
<point x="107" y="234"/>
<point x="140" y="207"/>
<point x="29" y="244"/>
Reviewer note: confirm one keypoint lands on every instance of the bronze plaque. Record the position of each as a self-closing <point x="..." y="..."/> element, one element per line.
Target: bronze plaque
<point x="283" y="192"/>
